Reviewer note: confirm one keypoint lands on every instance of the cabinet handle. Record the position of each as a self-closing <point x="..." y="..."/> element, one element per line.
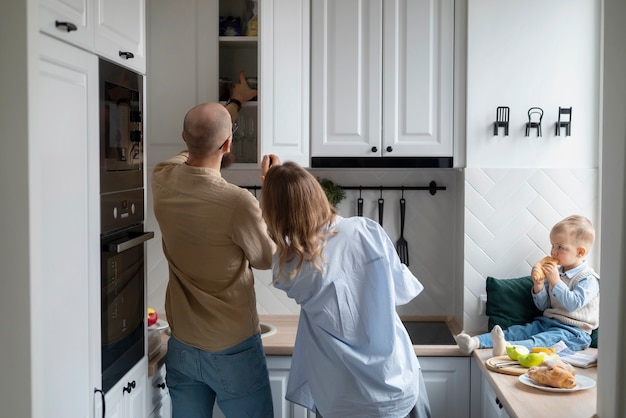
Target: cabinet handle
<point x="126" y="55"/>
<point x="389" y="149"/>
<point x="68" y="26"/>
<point x="104" y="403"/>
<point x="161" y="385"/>
<point x="498" y="403"/>
<point x="129" y="387"/>
<point x="374" y="149"/>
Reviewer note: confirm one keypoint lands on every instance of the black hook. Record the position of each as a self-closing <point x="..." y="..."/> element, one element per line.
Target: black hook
<point x="432" y="187"/>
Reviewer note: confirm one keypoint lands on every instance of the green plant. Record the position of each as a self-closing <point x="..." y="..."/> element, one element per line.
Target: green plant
<point x="334" y="193"/>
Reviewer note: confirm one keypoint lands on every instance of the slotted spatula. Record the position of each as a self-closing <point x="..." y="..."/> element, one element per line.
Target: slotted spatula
<point x="402" y="246"/>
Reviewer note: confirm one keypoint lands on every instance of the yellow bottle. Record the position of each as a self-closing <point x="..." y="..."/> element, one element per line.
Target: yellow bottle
<point x="253" y="23"/>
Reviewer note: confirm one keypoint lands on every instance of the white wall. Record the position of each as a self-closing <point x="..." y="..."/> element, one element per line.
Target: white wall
<point x="544" y="54"/>
<point x="526" y="54"/>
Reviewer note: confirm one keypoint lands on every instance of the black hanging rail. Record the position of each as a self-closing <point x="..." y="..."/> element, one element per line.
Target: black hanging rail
<point x="432" y="188"/>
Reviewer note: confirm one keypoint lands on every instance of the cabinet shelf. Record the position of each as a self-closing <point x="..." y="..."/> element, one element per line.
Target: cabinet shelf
<point x="239" y="41"/>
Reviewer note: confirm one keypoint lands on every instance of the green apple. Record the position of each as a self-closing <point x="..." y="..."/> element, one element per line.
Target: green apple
<point x="531" y="359"/>
<point x="515" y="351"/>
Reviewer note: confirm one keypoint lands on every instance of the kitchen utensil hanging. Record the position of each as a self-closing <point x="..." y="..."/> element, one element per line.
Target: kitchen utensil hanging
<point x="402" y="246"/>
<point x="359" y="205"/>
<point x="381" y="207"/>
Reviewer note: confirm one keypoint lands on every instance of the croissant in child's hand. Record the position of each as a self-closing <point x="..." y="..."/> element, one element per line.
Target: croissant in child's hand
<point x="556" y="376"/>
<point x="537" y="271"/>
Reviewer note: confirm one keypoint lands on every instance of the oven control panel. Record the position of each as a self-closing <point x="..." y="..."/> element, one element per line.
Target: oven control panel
<point x="121" y="209"/>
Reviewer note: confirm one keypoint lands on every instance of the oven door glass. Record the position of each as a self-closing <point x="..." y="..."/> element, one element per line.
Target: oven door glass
<point x="123" y="310"/>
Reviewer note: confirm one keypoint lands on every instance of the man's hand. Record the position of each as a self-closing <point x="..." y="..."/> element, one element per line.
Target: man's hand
<point x="242" y="91"/>
<point x="269" y="161"/>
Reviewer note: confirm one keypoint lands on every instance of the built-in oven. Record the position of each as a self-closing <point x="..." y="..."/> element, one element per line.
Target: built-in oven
<point x="123" y="270"/>
<point x="123" y="273"/>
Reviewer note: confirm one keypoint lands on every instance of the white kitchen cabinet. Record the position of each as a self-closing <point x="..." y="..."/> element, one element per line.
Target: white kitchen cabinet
<point x="382" y="78"/>
<point x="127" y="399"/>
<point x="278" y="367"/>
<point x="64" y="230"/>
<point x="284" y="79"/>
<point x="448" y="385"/>
<point x="277" y="122"/>
<point x="158" y="396"/>
<point x="491" y="406"/>
<point x="68" y="20"/>
<point x="120" y="33"/>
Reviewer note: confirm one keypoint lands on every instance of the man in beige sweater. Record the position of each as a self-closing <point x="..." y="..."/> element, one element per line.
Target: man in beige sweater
<point x="213" y="233"/>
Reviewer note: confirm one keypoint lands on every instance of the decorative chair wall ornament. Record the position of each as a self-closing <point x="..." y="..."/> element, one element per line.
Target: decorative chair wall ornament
<point x="565" y="121"/>
<point x="535" y="114"/>
<point x="502" y="120"/>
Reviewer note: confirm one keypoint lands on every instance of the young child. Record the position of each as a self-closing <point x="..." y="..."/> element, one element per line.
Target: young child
<point x="352" y="356"/>
<point x="569" y="297"/>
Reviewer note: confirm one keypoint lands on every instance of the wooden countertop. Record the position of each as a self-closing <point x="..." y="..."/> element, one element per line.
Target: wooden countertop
<point x="524" y="401"/>
<point x="281" y="343"/>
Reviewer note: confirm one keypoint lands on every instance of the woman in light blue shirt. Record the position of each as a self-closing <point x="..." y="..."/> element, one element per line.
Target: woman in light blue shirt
<point x="352" y="356"/>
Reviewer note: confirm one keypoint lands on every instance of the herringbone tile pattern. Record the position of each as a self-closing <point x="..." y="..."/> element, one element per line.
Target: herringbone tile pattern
<point x="508" y="217"/>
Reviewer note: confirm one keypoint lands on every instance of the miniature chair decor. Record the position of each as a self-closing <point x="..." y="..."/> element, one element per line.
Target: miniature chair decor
<point x="502" y="120"/>
<point x="566" y="122"/>
<point x="535" y="114"/>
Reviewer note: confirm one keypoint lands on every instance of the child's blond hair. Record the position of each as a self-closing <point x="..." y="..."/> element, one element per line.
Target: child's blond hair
<point x="578" y="227"/>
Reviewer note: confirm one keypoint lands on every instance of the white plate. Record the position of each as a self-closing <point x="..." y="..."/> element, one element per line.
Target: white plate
<point x="159" y="325"/>
<point x="582" y="383"/>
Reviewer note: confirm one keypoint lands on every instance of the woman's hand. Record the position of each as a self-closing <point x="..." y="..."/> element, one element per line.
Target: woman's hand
<point x="269" y="161"/>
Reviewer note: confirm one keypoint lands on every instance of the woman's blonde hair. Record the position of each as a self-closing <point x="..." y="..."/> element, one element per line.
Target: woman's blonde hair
<point x="298" y="215"/>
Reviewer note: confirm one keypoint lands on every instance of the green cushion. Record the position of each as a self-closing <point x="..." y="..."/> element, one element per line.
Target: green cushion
<point x="509" y="302"/>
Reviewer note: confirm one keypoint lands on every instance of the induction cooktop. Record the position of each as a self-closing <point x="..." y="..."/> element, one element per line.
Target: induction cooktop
<point x="429" y="333"/>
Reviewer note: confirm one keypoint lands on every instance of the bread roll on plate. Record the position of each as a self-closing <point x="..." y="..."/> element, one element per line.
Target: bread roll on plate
<point x="556" y="374"/>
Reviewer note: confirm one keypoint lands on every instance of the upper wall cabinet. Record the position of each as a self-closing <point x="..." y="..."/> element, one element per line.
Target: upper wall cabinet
<point x="68" y="20"/>
<point x="382" y="80"/>
<point x="120" y="32"/>
<point x="211" y="47"/>
<point x="284" y="71"/>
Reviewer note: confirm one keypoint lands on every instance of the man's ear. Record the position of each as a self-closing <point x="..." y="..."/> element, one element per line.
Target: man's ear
<point x="582" y="251"/>
<point x="229" y="142"/>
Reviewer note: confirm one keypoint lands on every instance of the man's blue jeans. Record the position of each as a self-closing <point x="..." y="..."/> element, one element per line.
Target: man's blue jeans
<point x="236" y="377"/>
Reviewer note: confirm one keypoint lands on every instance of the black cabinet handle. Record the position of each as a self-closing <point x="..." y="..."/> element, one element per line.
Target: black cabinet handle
<point x="126" y="55"/>
<point x="129" y="387"/>
<point x="374" y="149"/>
<point x="68" y="26"/>
<point x="161" y="385"/>
<point x="104" y="403"/>
<point x="389" y="149"/>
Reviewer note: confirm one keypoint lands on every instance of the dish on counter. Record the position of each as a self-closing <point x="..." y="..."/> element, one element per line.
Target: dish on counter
<point x="582" y="383"/>
<point x="159" y="325"/>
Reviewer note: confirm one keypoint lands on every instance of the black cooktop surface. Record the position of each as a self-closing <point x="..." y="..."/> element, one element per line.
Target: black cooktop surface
<point x="429" y="333"/>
